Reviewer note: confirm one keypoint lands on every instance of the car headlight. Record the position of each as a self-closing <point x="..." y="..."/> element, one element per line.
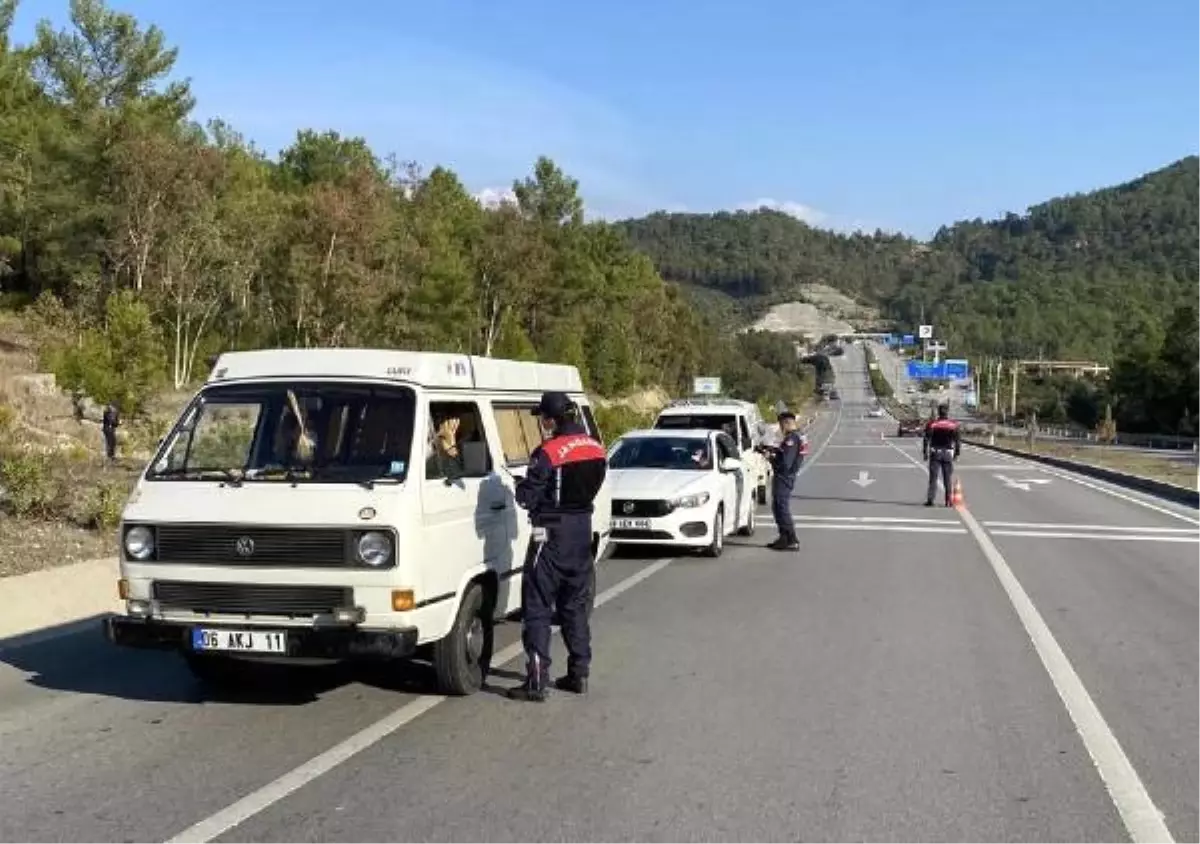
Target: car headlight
<point x="139" y="542"/>
<point x="374" y="548"/>
<point x="698" y="499"/>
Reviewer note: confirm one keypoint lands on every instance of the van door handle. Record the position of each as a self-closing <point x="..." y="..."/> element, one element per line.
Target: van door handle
<point x="500" y="505"/>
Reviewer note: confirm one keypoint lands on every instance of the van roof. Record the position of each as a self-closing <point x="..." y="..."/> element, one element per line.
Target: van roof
<point x="426" y="369"/>
<point x="711" y="402"/>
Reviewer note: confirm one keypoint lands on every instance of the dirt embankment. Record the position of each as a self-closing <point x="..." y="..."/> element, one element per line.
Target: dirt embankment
<point x="818" y="311"/>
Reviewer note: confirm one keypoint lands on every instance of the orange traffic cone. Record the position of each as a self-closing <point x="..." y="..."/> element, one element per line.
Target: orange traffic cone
<point x="956" y="494"/>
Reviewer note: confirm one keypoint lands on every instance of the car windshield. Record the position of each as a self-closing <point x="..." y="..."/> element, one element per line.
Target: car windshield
<point x="699" y="422"/>
<point x="329" y="432"/>
<point x="685" y="453"/>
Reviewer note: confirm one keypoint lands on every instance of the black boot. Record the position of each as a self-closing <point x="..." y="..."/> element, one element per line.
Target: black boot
<point x="777" y="543"/>
<point x="929" y="502"/>
<point x="573" y="684"/>
<point x="792" y="544"/>
<point x="529" y="692"/>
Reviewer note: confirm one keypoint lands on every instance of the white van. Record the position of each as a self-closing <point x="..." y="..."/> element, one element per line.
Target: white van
<point x="388" y="530"/>
<point x="740" y="419"/>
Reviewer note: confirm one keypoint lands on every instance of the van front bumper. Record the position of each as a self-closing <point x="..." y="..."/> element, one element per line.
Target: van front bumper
<point x="323" y="643"/>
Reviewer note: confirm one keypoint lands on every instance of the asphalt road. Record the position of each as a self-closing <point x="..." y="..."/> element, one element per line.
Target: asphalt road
<point x="889" y="682"/>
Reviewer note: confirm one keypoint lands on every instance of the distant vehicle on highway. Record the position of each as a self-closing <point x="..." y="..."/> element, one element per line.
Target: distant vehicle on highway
<point x="833" y="394"/>
<point x="685" y="487"/>
<point x="875" y="413"/>
<point x="910" y="427"/>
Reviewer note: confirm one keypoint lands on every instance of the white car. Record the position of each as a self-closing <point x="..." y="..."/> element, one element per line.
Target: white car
<point x="875" y="413"/>
<point x="680" y="487"/>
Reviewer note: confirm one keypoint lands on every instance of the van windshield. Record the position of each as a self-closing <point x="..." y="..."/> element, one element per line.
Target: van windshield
<point x="330" y="432"/>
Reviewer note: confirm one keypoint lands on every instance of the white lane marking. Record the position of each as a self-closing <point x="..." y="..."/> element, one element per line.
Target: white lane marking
<point x="274" y="791"/>
<point x="1067" y="476"/>
<point x="866" y="527"/>
<point x="856" y="447"/>
<point x="864" y="465"/>
<point x="880" y="519"/>
<point x="914" y="461"/>
<point x="1112" y="537"/>
<point x="1141" y="817"/>
<point x="1044" y="526"/>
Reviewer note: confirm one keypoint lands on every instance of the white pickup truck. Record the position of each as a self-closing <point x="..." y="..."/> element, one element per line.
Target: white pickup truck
<point x="740" y="419"/>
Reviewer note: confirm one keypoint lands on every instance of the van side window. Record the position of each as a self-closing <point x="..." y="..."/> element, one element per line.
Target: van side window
<point x="747" y="443"/>
<point x="456" y="444"/>
<point x="589" y="422"/>
<point x="520" y="432"/>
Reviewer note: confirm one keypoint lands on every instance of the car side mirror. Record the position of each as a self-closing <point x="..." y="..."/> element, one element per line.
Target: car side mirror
<point x="731" y="464"/>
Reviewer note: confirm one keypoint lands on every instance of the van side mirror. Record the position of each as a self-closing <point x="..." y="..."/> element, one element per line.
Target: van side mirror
<point x="731" y="464"/>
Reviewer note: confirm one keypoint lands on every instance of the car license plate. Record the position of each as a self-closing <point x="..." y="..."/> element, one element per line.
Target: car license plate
<point x="631" y="524"/>
<point x="247" y="641"/>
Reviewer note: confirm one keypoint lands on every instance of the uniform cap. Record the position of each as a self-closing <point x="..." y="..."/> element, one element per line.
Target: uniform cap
<point x="553" y="404"/>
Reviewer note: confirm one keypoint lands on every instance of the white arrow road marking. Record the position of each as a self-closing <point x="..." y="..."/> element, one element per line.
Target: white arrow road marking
<point x="864" y="479"/>
<point x="1022" y="484"/>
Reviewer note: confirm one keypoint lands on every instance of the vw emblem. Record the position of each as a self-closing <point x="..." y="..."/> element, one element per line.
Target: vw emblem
<point x="245" y="546"/>
<point x="629" y="507"/>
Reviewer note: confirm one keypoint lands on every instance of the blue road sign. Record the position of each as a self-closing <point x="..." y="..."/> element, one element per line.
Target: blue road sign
<point x="920" y="370"/>
<point x="908" y="340"/>
<point x="959" y="369"/>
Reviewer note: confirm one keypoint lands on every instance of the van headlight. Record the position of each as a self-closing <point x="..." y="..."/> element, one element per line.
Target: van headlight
<point x="698" y="499"/>
<point x="374" y="549"/>
<point x="139" y="543"/>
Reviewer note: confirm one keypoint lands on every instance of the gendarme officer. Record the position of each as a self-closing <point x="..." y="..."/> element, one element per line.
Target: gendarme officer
<point x="565" y="474"/>
<point x="785" y="464"/>
<point x="942" y="445"/>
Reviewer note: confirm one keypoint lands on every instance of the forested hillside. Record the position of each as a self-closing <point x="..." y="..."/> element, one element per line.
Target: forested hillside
<point x="1108" y="275"/>
<point x="149" y="242"/>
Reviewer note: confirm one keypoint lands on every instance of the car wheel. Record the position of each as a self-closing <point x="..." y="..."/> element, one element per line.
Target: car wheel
<point x="463" y="658"/>
<point x="717" y="546"/>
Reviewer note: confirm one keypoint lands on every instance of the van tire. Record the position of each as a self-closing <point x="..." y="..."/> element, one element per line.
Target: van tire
<point x="463" y="658"/>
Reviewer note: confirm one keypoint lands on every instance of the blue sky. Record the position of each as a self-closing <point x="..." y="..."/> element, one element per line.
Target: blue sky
<point x="848" y="112"/>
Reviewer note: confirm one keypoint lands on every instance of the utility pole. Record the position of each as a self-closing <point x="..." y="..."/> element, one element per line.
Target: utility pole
<point x="1013" y="408"/>
<point x="996" y="386"/>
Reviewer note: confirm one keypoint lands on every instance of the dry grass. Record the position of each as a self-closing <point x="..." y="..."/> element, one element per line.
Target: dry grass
<point x="1177" y="467"/>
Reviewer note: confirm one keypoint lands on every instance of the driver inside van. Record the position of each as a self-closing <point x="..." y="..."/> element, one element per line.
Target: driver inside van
<point x="287" y="451"/>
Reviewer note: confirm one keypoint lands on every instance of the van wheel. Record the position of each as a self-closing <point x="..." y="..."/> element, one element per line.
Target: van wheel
<point x="462" y="659"/>
<point x="717" y="546"/>
<point x="751" y="521"/>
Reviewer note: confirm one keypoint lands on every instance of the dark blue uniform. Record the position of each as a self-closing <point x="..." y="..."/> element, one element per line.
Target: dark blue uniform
<point x="565" y="474"/>
<point x="942" y="446"/>
<point x="785" y="463"/>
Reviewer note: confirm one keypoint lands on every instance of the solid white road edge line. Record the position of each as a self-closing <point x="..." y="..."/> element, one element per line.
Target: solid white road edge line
<point x="1067" y="476"/>
<point x="1141" y="817"/>
<point x="274" y="791"/>
<point x="1041" y="526"/>
<point x="865" y="527"/>
<point x="1110" y="537"/>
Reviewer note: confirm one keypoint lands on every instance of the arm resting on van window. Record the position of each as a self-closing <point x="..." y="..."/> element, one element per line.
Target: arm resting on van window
<point x="531" y="489"/>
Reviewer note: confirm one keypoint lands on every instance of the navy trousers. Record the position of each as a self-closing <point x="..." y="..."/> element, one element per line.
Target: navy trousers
<point x="557" y="573"/>
<point x="781" y="505"/>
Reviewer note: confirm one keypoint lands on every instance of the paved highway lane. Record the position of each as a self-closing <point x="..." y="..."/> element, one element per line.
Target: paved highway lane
<point x="879" y="685"/>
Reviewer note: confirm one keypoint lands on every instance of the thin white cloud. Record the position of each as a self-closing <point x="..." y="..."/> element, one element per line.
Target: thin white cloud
<point x="495" y="197"/>
<point x="799" y="210"/>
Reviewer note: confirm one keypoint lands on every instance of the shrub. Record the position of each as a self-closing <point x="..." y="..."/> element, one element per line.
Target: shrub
<point x="29" y="485"/>
<point x="121" y="362"/>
